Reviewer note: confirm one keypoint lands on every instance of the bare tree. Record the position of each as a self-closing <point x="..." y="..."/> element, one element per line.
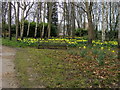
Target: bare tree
<point x="17" y="20"/>
<point x="9" y="20"/>
<point x="64" y="14"/>
<point x="4" y="11"/>
<point x="16" y="17"/>
<point x="49" y="18"/>
<point x="103" y="21"/>
<point x="90" y="24"/>
<point x="28" y="29"/>
<point x="73" y="19"/>
<point x="67" y="7"/>
<point x="40" y="17"/>
<point x="22" y="20"/>
<point x="37" y="20"/>
<point x="24" y="7"/>
<point x="119" y="32"/>
<point x="44" y="15"/>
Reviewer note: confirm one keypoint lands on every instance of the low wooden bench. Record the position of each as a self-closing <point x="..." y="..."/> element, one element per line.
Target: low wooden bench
<point x="53" y="46"/>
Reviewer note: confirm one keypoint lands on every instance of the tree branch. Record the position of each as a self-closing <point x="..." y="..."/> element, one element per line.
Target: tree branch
<point x="81" y="8"/>
<point x="29" y="9"/>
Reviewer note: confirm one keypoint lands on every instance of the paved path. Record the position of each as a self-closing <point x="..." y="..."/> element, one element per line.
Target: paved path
<point x="7" y="68"/>
<point x="0" y="66"/>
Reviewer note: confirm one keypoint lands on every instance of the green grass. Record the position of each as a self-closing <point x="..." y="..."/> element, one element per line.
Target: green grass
<point x="0" y="41"/>
<point x="47" y="69"/>
<point x="14" y="43"/>
<point x="57" y="68"/>
<point x="73" y="68"/>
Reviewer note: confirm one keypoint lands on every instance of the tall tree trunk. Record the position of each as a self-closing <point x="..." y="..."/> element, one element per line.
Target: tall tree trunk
<point x="84" y="26"/>
<point x="110" y="20"/>
<point x="49" y="18"/>
<point x="73" y="19"/>
<point x="17" y="20"/>
<point x="9" y="20"/>
<point x="37" y="20"/>
<point x="28" y="29"/>
<point x="119" y="32"/>
<point x="68" y="19"/>
<point x="110" y="16"/>
<point x="91" y="33"/>
<point x="43" y="20"/>
<point x="64" y="13"/>
<point x="103" y="22"/>
<point x="23" y="19"/>
<point x="22" y="26"/>
<point x="3" y="19"/>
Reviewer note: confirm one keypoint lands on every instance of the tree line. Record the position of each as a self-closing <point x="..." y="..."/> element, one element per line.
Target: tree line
<point x="66" y="17"/>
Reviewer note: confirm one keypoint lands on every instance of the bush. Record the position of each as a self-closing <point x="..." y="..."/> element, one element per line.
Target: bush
<point x="83" y="52"/>
<point x="80" y="32"/>
<point x="39" y="29"/>
<point x="32" y="29"/>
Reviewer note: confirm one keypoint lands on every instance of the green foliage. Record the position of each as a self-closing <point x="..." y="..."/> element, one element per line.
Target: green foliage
<point x="95" y="51"/>
<point x="13" y="29"/>
<point x="73" y="52"/>
<point x="14" y="43"/>
<point x="100" y="57"/>
<point x="112" y="35"/>
<point x="32" y="29"/>
<point x="80" y="32"/>
<point x="6" y="26"/>
<point x="83" y="52"/>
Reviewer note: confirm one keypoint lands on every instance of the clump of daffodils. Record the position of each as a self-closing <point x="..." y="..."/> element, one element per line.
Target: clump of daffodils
<point x="113" y="51"/>
<point x="84" y="47"/>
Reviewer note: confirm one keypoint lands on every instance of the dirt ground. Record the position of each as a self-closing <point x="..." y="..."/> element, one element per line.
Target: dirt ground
<point x="7" y="68"/>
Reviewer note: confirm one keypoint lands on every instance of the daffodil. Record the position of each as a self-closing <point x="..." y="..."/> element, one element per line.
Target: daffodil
<point x="112" y="51"/>
<point x="102" y="48"/>
<point x="84" y="47"/>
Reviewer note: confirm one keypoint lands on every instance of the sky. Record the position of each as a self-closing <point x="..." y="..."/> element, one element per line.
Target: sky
<point x="62" y="0"/>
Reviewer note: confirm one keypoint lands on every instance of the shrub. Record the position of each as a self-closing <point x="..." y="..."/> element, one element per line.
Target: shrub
<point x="95" y="51"/>
<point x="32" y="29"/>
<point x="80" y="32"/>
<point x="100" y="58"/>
<point x="83" y="52"/>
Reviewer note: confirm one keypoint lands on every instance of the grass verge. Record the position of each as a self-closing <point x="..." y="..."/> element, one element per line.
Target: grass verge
<point x="60" y="69"/>
<point x="15" y="44"/>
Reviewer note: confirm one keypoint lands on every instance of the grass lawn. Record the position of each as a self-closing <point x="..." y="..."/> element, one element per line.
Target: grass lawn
<point x="62" y="68"/>
<point x="82" y="66"/>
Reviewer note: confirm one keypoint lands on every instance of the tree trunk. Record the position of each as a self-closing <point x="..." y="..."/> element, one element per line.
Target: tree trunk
<point x="23" y="19"/>
<point x="17" y="21"/>
<point x="49" y="18"/>
<point x="9" y="20"/>
<point x="22" y="25"/>
<point x="64" y="13"/>
<point x="36" y="21"/>
<point x="103" y="23"/>
<point x="73" y="19"/>
<point x="68" y="19"/>
<point x="91" y="33"/>
<point x="3" y="19"/>
<point x="110" y="16"/>
<point x="43" y="28"/>
<point x="119" y="32"/>
<point x="28" y="29"/>
<point x="84" y="22"/>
